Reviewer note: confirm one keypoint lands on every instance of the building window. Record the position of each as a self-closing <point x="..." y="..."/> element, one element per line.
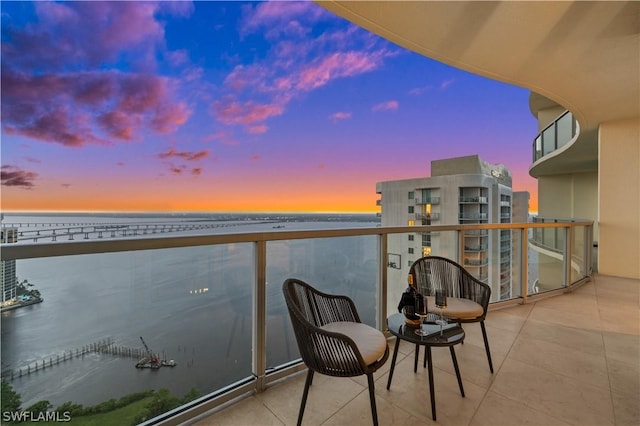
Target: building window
<point x="411" y="195"/>
<point x="411" y="222"/>
<point x="411" y="210"/>
<point x="410" y="250"/>
<point x="411" y="237"/>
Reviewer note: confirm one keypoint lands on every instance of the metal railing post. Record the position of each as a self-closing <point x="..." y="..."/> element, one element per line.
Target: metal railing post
<point x="382" y="273"/>
<point x="260" y="316"/>
<point x="568" y="244"/>
<point x="524" y="238"/>
<point x="588" y="250"/>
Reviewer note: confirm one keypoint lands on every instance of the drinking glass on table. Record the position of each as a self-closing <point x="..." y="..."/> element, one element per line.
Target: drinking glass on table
<point x="421" y="311"/>
<point x="441" y="303"/>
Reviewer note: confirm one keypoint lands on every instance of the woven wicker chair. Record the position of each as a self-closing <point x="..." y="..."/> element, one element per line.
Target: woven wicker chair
<point x="331" y="338"/>
<point x="467" y="297"/>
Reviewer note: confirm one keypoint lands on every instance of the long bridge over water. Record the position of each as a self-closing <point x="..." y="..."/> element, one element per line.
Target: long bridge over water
<point x="70" y="231"/>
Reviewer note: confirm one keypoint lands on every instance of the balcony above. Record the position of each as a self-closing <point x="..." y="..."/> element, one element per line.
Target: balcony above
<point x="562" y="147"/>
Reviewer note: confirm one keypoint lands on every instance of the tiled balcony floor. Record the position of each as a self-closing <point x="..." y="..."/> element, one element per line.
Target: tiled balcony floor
<point x="568" y="360"/>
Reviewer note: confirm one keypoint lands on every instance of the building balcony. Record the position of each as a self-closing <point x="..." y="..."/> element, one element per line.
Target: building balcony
<point x="473" y="216"/>
<point x="475" y="262"/>
<point x="556" y="135"/>
<point x="479" y="248"/>
<point x="231" y="298"/>
<point x="427" y="217"/>
<point x="432" y="200"/>
<point x="541" y="344"/>
<point x="562" y="147"/>
<point x="473" y="200"/>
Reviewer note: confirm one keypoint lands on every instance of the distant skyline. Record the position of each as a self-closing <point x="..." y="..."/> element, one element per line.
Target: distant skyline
<point x="232" y="107"/>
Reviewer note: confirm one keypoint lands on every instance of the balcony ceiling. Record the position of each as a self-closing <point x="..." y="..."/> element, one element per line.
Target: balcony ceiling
<point x="583" y="55"/>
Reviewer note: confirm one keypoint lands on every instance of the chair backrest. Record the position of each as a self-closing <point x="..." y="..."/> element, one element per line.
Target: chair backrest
<point x="325" y="352"/>
<point x="433" y="273"/>
<point x="315" y="307"/>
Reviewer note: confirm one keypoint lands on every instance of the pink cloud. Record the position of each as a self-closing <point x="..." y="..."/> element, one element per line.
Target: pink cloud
<point x="178" y="57"/>
<point x="88" y="107"/>
<point x="249" y="113"/>
<point x="301" y="60"/>
<point x="386" y="106"/>
<point x="119" y="124"/>
<point x="445" y="84"/>
<point x="89" y="33"/>
<point x="42" y="99"/>
<point x="186" y="155"/>
<point x="417" y="91"/>
<point x="337" y="65"/>
<point x="243" y="76"/>
<point x="280" y="17"/>
<point x="338" y="116"/>
<point x="15" y="176"/>
<point x="258" y="129"/>
<point x="177" y="170"/>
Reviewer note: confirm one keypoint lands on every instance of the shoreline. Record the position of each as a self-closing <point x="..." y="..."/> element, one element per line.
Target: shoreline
<point x="17" y="305"/>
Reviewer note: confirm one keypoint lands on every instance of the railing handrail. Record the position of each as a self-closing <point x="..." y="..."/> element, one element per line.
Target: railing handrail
<point x="16" y="251"/>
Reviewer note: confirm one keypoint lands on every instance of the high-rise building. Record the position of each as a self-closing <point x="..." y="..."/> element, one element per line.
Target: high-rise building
<point x="8" y="268"/>
<point x="462" y="190"/>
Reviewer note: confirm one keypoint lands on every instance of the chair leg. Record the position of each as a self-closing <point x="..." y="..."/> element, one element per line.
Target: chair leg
<point x="486" y="345"/>
<point x="307" y="384"/>
<point x="372" y="397"/>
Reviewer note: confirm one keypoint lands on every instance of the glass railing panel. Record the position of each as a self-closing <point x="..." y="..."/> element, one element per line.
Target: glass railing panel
<point x="548" y="140"/>
<point x="341" y="265"/>
<point x="579" y="268"/>
<point x="406" y="248"/>
<point x="190" y="305"/>
<point x="516" y="266"/>
<point x="546" y="263"/>
<point x="537" y="148"/>
<point x="564" y="129"/>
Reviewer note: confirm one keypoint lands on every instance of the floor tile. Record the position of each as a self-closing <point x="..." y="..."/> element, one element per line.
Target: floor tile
<point x="573" y="359"/>
<point x="559" y="396"/>
<point x="497" y="410"/>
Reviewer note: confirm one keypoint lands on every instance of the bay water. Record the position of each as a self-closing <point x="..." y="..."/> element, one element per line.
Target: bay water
<point x="191" y="305"/>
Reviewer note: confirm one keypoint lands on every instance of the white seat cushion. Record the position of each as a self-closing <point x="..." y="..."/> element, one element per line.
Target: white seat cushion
<point x="456" y="308"/>
<point x="370" y="342"/>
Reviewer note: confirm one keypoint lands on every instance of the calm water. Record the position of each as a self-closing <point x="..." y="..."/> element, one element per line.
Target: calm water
<point x="189" y="304"/>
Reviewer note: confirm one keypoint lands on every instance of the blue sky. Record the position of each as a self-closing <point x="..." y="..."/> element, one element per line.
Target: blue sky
<point x="231" y="106"/>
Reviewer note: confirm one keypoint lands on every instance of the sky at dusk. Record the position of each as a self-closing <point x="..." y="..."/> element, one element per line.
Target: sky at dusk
<point x="231" y="107"/>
